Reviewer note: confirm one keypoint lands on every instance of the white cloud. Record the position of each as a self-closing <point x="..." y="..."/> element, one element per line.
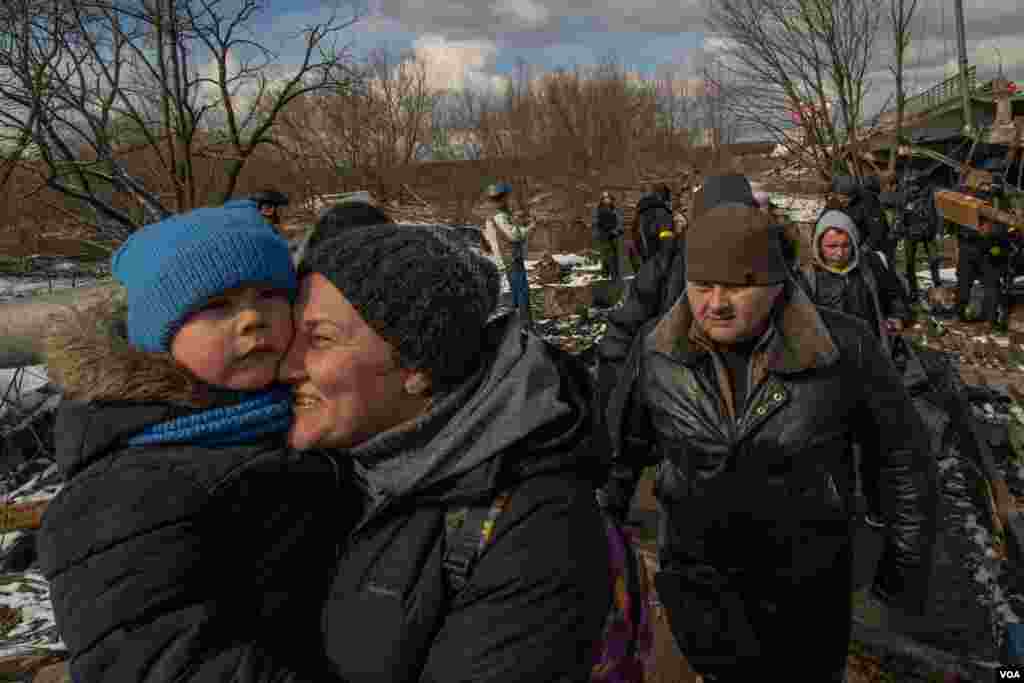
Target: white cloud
<point x="528" y="11"/>
<point x="458" y="65"/>
<point x="714" y="44"/>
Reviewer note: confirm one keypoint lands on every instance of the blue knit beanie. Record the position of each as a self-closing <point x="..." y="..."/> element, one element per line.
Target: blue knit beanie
<point x="171" y="268"/>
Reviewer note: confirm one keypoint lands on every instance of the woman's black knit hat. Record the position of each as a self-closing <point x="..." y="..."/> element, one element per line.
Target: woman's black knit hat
<point x="418" y="288"/>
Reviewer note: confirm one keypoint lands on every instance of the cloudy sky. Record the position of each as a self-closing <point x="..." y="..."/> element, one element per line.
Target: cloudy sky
<point x="478" y="42"/>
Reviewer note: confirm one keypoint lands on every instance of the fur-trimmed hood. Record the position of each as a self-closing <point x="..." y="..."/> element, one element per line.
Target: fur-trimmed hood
<point x="88" y="355"/>
<point x="799" y="339"/>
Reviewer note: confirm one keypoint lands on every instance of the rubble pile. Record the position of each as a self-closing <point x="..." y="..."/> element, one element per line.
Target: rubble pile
<point x="969" y="348"/>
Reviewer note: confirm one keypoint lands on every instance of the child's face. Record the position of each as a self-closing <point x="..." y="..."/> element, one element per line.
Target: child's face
<point x="237" y="339"/>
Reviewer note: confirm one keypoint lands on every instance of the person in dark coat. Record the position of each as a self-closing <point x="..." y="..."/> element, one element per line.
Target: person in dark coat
<point x="981" y="256"/>
<point x="921" y="225"/>
<point x="188" y="544"/>
<point x="653" y="224"/>
<point x="606" y="230"/>
<point x="396" y="370"/>
<point x="342" y="216"/>
<point x="865" y="208"/>
<point x="844" y="276"/>
<point x="658" y="285"/>
<point x="345" y="215"/>
<point x="755" y="397"/>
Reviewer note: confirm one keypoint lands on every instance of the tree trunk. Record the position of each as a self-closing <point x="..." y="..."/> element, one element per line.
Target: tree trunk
<point x="900" y="101"/>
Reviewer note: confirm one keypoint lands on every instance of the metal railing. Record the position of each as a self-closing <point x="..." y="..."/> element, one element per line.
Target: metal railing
<point x="940" y="94"/>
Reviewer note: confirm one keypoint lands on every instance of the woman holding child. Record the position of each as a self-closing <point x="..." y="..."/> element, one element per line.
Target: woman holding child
<point x="190" y="544"/>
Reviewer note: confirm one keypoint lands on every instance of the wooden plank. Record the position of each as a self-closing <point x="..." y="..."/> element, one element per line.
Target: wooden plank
<point x="14" y="667"/>
<point x="54" y="673"/>
<point x="22" y="516"/>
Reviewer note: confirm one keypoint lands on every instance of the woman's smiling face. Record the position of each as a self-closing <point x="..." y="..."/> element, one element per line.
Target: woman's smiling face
<point x="347" y="381"/>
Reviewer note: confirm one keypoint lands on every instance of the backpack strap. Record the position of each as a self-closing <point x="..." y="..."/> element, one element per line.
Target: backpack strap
<point x="468" y="530"/>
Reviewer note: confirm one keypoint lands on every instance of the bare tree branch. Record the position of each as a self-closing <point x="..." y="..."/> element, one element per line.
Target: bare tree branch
<point x="101" y="86"/>
<point x="798" y="66"/>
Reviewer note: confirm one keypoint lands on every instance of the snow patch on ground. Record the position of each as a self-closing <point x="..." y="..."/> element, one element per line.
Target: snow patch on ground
<point x="26" y="379"/>
<point x="18" y="288"/>
<point x="987" y="576"/>
<point x="29" y="595"/>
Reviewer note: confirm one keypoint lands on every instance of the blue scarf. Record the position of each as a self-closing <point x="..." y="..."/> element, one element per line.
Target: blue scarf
<point x="268" y="412"/>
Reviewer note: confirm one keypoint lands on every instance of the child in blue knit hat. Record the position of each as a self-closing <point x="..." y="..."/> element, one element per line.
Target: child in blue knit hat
<point x="187" y="543"/>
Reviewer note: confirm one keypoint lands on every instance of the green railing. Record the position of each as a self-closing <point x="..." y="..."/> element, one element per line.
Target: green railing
<point x="939" y="94"/>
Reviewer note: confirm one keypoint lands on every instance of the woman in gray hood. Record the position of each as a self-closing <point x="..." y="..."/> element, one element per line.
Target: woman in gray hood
<point x="396" y="370"/>
<point x="845" y="276"/>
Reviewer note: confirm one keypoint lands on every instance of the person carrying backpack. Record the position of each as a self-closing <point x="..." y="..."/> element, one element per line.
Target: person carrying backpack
<point x="607" y="229"/>
<point x="865" y="209"/>
<point x="653" y="224"/>
<point x="482" y="555"/>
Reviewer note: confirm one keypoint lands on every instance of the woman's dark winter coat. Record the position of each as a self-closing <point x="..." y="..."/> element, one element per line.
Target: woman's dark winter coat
<point x="176" y="562"/>
<point x="535" y="602"/>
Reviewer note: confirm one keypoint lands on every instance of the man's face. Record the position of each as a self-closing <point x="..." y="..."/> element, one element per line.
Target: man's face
<point x="729" y="314"/>
<point x="836" y="249"/>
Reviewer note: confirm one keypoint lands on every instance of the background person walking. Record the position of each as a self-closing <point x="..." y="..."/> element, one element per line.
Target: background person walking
<point x="507" y="241"/>
<point x="607" y="227"/>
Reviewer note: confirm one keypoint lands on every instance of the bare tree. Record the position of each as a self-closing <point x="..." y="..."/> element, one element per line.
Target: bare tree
<point x="96" y="84"/>
<point x="802" y="62"/>
<point x="383" y="123"/>
<point x="901" y="14"/>
<point x="456" y="123"/>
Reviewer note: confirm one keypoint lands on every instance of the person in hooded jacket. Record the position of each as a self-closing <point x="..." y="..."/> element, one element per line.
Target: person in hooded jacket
<point x="188" y="543"/>
<point x="396" y="370"/>
<point x="754" y="397"/>
<point x="653" y="224"/>
<point x="845" y="276"/>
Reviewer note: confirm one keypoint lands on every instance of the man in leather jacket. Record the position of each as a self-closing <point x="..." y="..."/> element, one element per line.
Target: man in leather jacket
<point x="659" y="282"/>
<point x="753" y="398"/>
